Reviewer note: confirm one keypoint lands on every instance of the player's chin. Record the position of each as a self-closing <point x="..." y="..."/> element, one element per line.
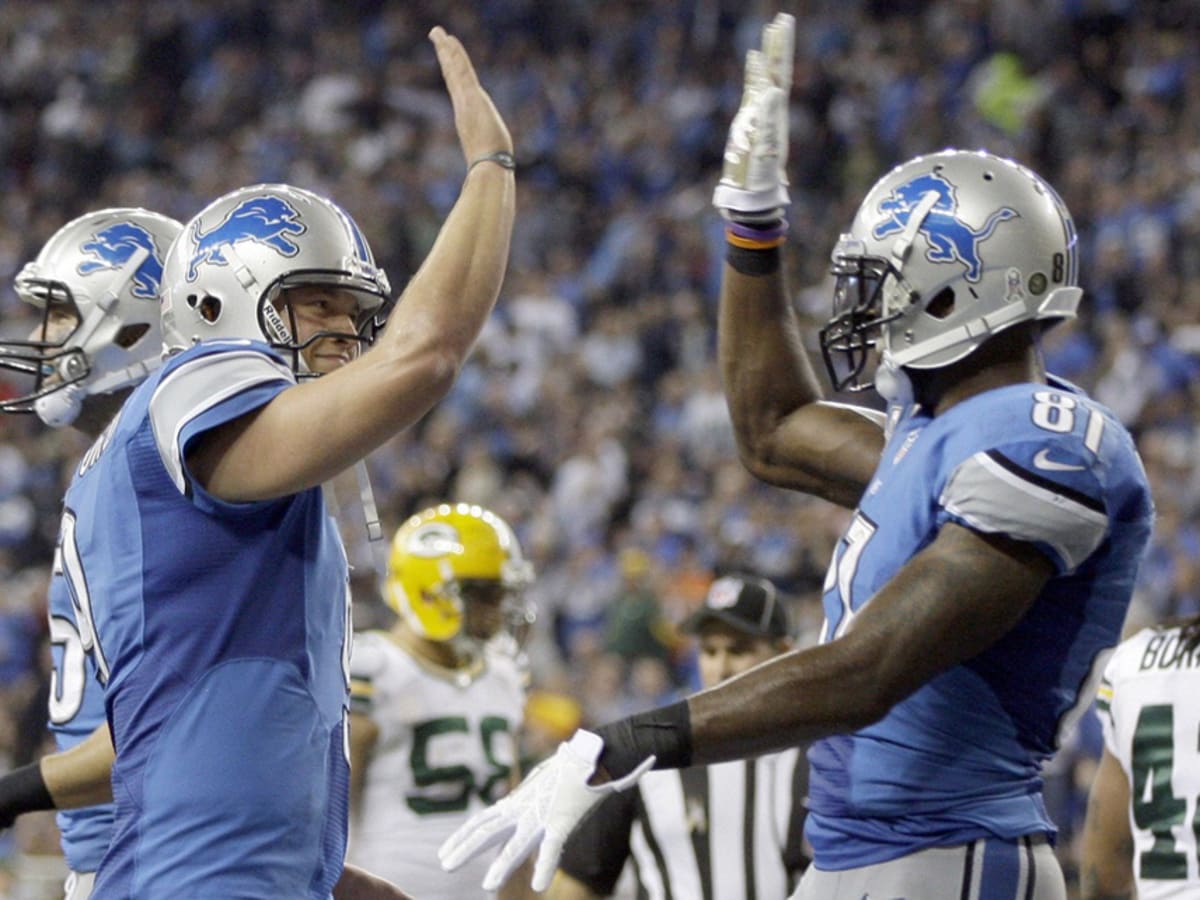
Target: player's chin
<point x="324" y="363"/>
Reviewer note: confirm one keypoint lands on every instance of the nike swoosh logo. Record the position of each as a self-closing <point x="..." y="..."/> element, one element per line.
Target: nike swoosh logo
<point x="1043" y="461"/>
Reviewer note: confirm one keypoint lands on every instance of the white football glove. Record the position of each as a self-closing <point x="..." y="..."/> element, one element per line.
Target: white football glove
<point x="543" y="810"/>
<point x="753" y="185"/>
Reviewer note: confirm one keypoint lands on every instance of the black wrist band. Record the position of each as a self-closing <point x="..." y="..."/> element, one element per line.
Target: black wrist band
<point x="753" y="262"/>
<point x="665" y="733"/>
<point x="24" y="790"/>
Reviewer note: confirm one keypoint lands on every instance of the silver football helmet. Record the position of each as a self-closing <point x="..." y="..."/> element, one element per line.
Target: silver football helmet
<point x="234" y="258"/>
<point x="96" y="282"/>
<point x="946" y="251"/>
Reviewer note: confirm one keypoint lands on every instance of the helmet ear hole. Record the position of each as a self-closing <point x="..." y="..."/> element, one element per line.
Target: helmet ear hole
<point x="131" y="334"/>
<point x="208" y="307"/>
<point x="941" y="305"/>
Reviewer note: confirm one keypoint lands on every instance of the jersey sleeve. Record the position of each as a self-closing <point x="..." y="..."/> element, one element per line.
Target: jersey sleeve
<point x="206" y="390"/>
<point x="1114" y="684"/>
<point x="597" y="850"/>
<point x="1043" y="492"/>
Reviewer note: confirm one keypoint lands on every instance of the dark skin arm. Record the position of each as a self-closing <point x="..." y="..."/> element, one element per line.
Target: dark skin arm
<point x="1106" y="872"/>
<point x="785" y="434"/>
<point x="949" y="603"/>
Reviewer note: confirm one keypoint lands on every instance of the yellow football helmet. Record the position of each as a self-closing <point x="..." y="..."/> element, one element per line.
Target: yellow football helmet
<point x="456" y="568"/>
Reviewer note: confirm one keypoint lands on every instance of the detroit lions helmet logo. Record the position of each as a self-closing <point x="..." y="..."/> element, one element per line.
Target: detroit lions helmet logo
<point x="950" y="238"/>
<point x="112" y="247"/>
<point x="263" y="220"/>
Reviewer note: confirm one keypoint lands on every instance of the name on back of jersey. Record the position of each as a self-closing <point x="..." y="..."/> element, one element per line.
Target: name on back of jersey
<point x="1166" y="651"/>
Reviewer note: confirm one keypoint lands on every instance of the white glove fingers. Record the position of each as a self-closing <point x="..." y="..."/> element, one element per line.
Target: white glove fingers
<point x="488" y="827"/>
<point x="519" y="846"/>
<point x="779" y="42"/>
<point x="547" y="860"/>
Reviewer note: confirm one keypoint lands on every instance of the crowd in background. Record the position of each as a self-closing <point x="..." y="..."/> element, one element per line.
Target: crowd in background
<point x="591" y="415"/>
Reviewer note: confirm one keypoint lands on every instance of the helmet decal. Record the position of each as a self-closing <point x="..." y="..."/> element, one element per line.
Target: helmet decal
<point x="950" y="238"/>
<point x="434" y="540"/>
<point x="265" y="220"/>
<point x="112" y="248"/>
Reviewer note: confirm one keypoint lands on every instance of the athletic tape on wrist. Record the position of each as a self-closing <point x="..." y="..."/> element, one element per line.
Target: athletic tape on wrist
<point x="757" y="261"/>
<point x="665" y="733"/>
<point x="24" y="790"/>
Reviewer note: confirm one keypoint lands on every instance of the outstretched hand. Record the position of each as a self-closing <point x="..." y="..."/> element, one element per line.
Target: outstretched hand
<point x="539" y="815"/>
<point x="481" y="130"/>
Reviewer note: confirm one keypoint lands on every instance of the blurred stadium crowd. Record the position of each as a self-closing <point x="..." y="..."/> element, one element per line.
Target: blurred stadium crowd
<point x="591" y="416"/>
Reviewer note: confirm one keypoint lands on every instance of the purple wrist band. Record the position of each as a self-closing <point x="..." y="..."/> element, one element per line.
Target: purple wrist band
<point x="752" y="233"/>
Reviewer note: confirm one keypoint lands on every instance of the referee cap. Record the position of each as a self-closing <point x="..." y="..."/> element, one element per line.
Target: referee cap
<point x="745" y="602"/>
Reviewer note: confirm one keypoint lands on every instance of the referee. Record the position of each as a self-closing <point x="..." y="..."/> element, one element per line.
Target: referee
<point x="731" y="831"/>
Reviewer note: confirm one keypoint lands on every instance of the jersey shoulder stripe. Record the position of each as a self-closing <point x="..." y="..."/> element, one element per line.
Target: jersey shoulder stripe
<point x="196" y="385"/>
<point x="992" y="494"/>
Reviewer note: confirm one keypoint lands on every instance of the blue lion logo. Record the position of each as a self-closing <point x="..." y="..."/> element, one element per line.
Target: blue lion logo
<point x="950" y="238"/>
<point x="112" y="248"/>
<point x="265" y="220"/>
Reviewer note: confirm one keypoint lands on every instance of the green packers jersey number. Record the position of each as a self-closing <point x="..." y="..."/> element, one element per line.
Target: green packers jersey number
<point x="454" y="785"/>
<point x="1156" y="809"/>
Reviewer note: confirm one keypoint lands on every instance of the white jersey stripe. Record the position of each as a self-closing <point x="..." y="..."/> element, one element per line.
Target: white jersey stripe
<point x="197" y="386"/>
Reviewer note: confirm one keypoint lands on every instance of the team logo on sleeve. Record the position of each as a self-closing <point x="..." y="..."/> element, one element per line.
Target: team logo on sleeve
<point x="264" y="220"/>
<point x="950" y="238"/>
<point x="113" y="247"/>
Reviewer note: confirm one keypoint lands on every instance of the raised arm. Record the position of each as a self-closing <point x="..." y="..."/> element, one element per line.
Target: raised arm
<point x="348" y="413"/>
<point x="786" y="435"/>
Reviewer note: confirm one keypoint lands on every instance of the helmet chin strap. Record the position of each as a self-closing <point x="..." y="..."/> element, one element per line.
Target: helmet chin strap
<point x="892" y="382"/>
<point x="367" y="496"/>
<point x="60" y="408"/>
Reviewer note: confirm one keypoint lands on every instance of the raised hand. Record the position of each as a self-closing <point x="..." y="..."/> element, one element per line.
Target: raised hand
<point x="481" y="130"/>
<point x="753" y="185"/>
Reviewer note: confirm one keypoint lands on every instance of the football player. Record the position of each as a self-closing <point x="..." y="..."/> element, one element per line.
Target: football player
<point x="437" y="701"/>
<point x="195" y="535"/>
<point x="1139" y="838"/>
<point x="95" y="283"/>
<point x="999" y="519"/>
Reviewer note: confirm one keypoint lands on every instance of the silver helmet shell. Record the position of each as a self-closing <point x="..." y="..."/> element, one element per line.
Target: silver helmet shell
<point x="101" y="271"/>
<point x="946" y="251"/>
<point x="239" y="253"/>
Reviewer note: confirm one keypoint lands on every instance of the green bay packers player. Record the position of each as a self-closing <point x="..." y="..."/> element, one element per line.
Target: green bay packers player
<point x="1141" y="836"/>
<point x="437" y="700"/>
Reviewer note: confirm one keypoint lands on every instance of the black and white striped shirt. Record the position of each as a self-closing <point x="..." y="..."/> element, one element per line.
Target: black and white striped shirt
<point x="731" y="831"/>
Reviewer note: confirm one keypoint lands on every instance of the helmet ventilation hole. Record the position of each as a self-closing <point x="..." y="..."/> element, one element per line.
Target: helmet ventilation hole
<point x="208" y="307"/>
<point x="130" y="335"/>
<point x="942" y="305"/>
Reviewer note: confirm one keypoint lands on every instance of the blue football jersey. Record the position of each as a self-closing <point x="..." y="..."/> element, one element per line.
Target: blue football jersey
<point x="961" y="758"/>
<point x="76" y="709"/>
<point x="220" y="631"/>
